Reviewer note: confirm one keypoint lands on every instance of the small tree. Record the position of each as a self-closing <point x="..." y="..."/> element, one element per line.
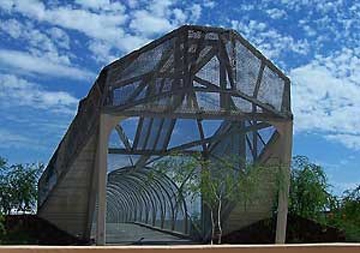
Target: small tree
<point x="309" y="196"/>
<point x="345" y="214"/>
<point x="216" y="181"/>
<point x="350" y="213"/>
<point x="18" y="186"/>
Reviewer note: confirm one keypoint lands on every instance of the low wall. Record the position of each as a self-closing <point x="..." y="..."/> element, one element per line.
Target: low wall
<point x="289" y="248"/>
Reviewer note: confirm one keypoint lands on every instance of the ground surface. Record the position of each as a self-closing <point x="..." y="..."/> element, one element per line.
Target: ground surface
<point x="126" y="233"/>
<point x="299" y="230"/>
<point x="30" y="229"/>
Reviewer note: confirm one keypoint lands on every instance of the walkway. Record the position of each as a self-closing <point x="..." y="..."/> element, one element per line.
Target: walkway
<point x="128" y="233"/>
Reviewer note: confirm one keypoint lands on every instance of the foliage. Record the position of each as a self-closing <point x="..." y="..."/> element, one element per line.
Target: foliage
<point x="345" y="214"/>
<point x="217" y="181"/>
<point x="18" y="186"/>
<point x="309" y="196"/>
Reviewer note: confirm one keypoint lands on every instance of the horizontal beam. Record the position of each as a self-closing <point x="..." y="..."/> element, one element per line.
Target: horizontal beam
<point x="122" y="151"/>
<point x="181" y="148"/>
<point x="201" y="114"/>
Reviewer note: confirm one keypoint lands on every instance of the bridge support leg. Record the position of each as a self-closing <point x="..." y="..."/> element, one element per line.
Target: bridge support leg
<point x="285" y="131"/>
<point x="105" y="127"/>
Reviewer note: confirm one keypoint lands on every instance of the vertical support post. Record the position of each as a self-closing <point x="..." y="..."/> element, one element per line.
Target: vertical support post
<point x="285" y="160"/>
<point x="105" y="126"/>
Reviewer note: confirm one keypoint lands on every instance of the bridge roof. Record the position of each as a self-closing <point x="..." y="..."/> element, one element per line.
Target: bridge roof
<point x="196" y="70"/>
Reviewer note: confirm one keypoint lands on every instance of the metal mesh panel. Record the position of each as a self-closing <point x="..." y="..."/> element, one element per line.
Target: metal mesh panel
<point x="130" y="125"/>
<point x="271" y="89"/>
<point x="166" y="128"/>
<point x="145" y="62"/>
<point x="168" y="65"/>
<point x="208" y="101"/>
<point x="249" y="154"/>
<point x="210" y="126"/>
<point x="211" y="36"/>
<point x="144" y="133"/>
<point x="203" y="53"/>
<point x="242" y="104"/>
<point x="178" y="138"/>
<point x="260" y="145"/>
<point x="241" y="71"/>
<point x="210" y="71"/>
<point x="122" y="94"/>
<point x="153" y="134"/>
<point x="247" y="69"/>
<point x="266" y="133"/>
<point x="117" y="161"/>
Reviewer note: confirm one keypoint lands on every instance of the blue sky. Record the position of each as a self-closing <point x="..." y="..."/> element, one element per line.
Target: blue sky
<point x="50" y="54"/>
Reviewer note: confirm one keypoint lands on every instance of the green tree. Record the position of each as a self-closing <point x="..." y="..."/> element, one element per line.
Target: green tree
<point x="350" y="213"/>
<point x="217" y="182"/>
<point x="18" y="186"/>
<point x="309" y="196"/>
<point x="345" y="214"/>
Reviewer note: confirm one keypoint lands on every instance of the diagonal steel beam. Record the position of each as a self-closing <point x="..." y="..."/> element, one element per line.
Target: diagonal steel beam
<point x="122" y="135"/>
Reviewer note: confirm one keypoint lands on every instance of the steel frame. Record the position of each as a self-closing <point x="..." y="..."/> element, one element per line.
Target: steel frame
<point x="193" y="73"/>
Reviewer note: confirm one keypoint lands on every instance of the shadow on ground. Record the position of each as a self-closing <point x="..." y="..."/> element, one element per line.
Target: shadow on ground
<point x="299" y="230"/>
<point x="32" y="230"/>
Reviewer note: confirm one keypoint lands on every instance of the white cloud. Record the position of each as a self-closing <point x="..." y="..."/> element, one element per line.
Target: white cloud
<point x="60" y="37"/>
<point x="102" y="51"/>
<point x="33" y="117"/>
<point x="43" y="44"/>
<point x="209" y="4"/>
<point x="161" y="16"/>
<point x="146" y="23"/>
<point x="27" y="32"/>
<point x="27" y="63"/>
<point x="20" y="92"/>
<point x="195" y="12"/>
<point x="108" y="23"/>
<point x="326" y="97"/>
<point x="160" y="8"/>
<point x="348" y="140"/>
<point x="101" y="26"/>
<point x="309" y="30"/>
<point x="11" y="27"/>
<point x="276" y="13"/>
<point x="180" y="15"/>
<point x="273" y="43"/>
<point x="8" y="139"/>
<point x="96" y="5"/>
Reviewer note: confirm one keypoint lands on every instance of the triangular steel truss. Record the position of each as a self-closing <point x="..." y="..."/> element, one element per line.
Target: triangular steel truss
<point x="180" y="83"/>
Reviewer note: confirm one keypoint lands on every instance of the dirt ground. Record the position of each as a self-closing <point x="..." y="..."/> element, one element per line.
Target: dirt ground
<point x="299" y="230"/>
<point x="30" y="229"/>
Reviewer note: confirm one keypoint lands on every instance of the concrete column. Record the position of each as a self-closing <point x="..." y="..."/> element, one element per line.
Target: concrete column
<point x="105" y="127"/>
<point x="285" y="130"/>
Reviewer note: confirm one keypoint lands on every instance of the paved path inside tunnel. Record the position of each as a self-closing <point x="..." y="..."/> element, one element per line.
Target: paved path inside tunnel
<point x="133" y="234"/>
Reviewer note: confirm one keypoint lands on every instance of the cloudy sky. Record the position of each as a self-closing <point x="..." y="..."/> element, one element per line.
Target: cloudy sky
<point x="50" y="54"/>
